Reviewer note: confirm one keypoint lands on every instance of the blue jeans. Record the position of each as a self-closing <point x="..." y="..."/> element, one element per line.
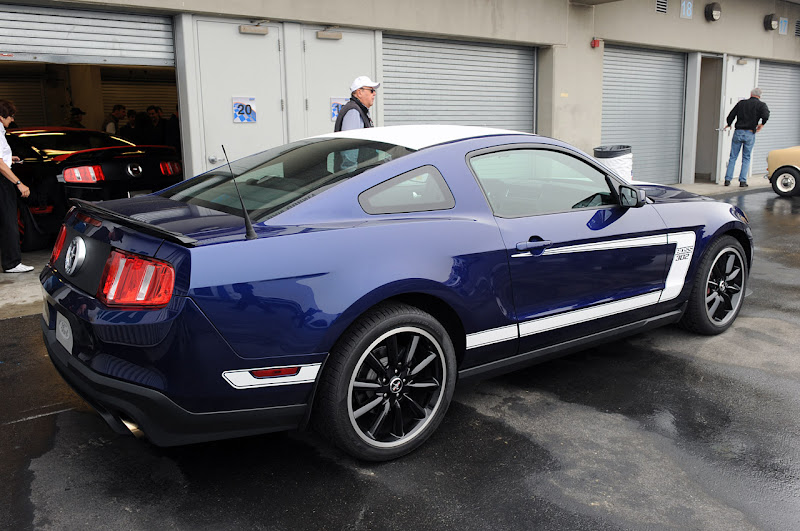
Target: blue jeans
<point x="743" y="140"/>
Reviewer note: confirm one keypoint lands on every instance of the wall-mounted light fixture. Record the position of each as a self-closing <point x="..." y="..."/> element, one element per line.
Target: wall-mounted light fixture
<point x="713" y="11"/>
<point x="330" y="33"/>
<point x="771" y="22"/>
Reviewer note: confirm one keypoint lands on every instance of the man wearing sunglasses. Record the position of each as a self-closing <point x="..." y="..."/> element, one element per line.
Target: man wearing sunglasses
<point x="355" y="113"/>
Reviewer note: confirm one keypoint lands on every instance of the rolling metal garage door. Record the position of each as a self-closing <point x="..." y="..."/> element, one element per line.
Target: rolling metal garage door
<point x="138" y="96"/>
<point x="780" y="84"/>
<point x="28" y="97"/>
<point x="53" y="35"/>
<point x="458" y="83"/>
<point x="643" y="102"/>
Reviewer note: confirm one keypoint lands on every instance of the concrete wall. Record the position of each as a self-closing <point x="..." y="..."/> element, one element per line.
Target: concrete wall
<point x="571" y="84"/>
<point x="740" y="30"/>
<point x="527" y="21"/>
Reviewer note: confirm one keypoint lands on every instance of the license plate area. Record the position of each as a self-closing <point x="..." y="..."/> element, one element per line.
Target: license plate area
<point x="64" y="333"/>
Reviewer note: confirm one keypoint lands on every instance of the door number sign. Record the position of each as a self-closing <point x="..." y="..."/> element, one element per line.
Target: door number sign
<point x="244" y="110"/>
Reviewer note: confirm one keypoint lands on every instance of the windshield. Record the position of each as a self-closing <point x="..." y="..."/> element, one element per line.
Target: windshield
<point x="273" y="181"/>
<point x="54" y="143"/>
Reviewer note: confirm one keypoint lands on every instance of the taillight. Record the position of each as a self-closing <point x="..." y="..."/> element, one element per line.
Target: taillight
<point x="84" y="174"/>
<point x="62" y="235"/>
<point x="170" y="168"/>
<point x="135" y="281"/>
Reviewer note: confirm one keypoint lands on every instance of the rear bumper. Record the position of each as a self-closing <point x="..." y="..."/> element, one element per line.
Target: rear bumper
<point x="119" y="189"/>
<point x="161" y="420"/>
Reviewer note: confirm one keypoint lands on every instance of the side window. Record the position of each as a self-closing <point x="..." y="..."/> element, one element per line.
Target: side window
<point x="418" y="190"/>
<point x="529" y="182"/>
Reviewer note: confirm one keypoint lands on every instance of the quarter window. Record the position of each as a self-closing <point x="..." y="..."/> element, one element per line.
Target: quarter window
<point x="529" y="182"/>
<point x="419" y="190"/>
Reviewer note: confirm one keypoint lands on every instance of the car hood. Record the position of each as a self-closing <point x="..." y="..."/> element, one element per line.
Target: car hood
<point x="661" y="193"/>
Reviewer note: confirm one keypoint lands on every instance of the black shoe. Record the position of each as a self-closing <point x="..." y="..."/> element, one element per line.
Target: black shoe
<point x="743" y="184"/>
<point x="727" y="183"/>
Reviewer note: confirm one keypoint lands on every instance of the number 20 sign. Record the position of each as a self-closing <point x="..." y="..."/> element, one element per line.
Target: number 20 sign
<point x="244" y="110"/>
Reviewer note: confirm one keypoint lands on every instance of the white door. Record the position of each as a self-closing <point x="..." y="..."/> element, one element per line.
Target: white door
<point x="329" y="66"/>
<point x="738" y="81"/>
<point x="236" y="66"/>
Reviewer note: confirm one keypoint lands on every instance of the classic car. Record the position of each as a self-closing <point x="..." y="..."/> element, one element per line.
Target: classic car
<point x="349" y="281"/>
<point x="783" y="171"/>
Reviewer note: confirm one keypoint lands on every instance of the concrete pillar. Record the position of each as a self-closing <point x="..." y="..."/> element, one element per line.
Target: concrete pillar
<point x="87" y="93"/>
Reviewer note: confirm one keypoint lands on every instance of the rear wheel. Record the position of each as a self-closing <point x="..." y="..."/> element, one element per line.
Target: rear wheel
<point x="719" y="288"/>
<point x="785" y="182"/>
<point x="388" y="383"/>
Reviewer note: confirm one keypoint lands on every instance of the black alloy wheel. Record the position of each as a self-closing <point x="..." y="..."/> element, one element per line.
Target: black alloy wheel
<point x="388" y="384"/>
<point x="719" y="289"/>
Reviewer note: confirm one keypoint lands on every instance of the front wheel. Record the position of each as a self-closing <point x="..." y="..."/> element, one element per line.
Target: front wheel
<point x="785" y="182"/>
<point x="719" y="288"/>
<point x="388" y="383"/>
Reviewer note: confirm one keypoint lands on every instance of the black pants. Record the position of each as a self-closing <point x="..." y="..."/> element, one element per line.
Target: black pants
<point x="10" y="255"/>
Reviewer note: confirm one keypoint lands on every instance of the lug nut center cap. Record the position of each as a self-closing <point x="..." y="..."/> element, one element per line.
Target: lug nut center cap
<point x="396" y="385"/>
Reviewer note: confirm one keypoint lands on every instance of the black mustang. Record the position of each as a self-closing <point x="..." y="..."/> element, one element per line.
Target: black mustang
<point x="61" y="162"/>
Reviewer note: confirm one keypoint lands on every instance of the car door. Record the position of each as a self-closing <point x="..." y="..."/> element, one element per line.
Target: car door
<point x="579" y="261"/>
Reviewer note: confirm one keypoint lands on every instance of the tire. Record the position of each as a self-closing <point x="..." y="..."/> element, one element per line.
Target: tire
<point x="785" y="182"/>
<point x="719" y="288"/>
<point x="388" y="383"/>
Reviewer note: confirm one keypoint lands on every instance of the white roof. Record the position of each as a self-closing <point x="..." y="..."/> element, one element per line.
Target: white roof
<point x="420" y="136"/>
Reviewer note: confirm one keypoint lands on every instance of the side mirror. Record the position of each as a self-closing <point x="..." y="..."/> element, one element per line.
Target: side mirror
<point x="631" y="197"/>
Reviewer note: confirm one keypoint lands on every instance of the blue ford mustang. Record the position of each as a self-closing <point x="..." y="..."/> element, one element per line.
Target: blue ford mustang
<point x="382" y="266"/>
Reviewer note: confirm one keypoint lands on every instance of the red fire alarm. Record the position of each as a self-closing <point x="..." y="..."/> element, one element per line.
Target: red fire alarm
<point x="595" y="43"/>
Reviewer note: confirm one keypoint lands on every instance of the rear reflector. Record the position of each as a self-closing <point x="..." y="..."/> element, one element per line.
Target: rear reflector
<point x="134" y="281"/>
<point x="62" y="235"/>
<point x="170" y="168"/>
<point x="272" y="373"/>
<point x="84" y="174"/>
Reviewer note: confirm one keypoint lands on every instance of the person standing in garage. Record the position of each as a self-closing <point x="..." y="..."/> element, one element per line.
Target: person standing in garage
<point x="76" y="118"/>
<point x="747" y="113"/>
<point x="10" y="186"/>
<point x="111" y="123"/>
<point x="355" y="113"/>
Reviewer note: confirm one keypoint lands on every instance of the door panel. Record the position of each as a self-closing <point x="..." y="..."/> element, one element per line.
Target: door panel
<point x="235" y="65"/>
<point x="329" y="66"/>
<point x="574" y="255"/>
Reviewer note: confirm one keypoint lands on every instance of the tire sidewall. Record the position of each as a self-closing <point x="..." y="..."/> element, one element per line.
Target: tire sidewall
<point x="788" y="193"/>
<point x="697" y="298"/>
<point x="344" y="432"/>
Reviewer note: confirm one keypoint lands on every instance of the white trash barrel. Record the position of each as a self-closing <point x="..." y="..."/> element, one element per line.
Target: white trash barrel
<point x="619" y="158"/>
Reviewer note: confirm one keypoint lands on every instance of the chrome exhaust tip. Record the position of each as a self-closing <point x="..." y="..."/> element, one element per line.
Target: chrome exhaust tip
<point x="133" y="428"/>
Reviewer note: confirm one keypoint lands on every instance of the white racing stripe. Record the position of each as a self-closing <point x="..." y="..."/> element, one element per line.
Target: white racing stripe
<point x="676" y="278"/>
<point x="242" y="379"/>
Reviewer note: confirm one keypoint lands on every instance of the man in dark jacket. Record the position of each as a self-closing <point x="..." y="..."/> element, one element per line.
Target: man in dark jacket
<point x="355" y="113"/>
<point x="747" y="113"/>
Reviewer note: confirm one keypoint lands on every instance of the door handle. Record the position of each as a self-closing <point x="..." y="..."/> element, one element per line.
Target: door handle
<point x="534" y="245"/>
<point x="212" y="159"/>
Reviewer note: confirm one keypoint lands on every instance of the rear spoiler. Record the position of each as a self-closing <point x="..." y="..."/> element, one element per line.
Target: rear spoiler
<point x="146" y="228"/>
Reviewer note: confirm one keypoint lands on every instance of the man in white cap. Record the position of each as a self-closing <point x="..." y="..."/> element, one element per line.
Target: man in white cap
<point x="355" y="113"/>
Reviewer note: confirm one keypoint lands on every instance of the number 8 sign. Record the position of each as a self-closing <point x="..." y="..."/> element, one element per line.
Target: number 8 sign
<point x="244" y="110"/>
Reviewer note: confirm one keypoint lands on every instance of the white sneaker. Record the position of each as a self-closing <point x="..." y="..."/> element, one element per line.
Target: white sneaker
<point x="19" y="268"/>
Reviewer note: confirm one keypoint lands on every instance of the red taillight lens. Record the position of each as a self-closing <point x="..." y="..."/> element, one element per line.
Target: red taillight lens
<point x="84" y="174"/>
<point x="170" y="168"/>
<point x="62" y="235"/>
<point x="134" y="281"/>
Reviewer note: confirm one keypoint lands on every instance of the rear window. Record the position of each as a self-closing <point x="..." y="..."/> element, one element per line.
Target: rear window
<point x="54" y="143"/>
<point x="273" y="181"/>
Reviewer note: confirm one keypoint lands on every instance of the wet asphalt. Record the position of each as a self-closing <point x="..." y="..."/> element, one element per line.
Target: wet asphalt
<point x="664" y="430"/>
